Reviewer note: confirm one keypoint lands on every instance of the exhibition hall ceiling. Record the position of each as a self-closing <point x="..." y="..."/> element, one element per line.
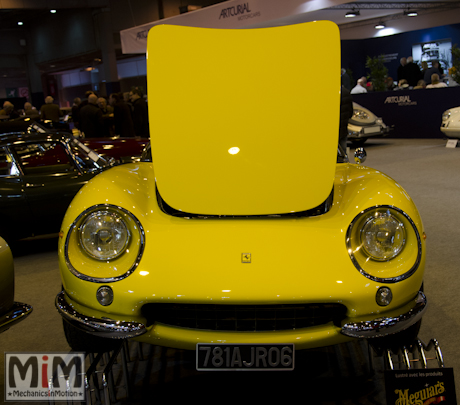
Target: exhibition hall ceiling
<point x="31" y="12"/>
<point x="26" y="11"/>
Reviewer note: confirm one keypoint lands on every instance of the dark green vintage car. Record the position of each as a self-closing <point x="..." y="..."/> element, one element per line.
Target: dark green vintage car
<point x="11" y="312"/>
<point x="40" y="173"/>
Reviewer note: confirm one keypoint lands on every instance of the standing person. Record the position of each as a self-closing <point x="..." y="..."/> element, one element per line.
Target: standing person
<point x="127" y="100"/>
<point x="413" y="74"/>
<point x="346" y="112"/>
<point x="50" y="111"/>
<point x="123" y="121"/>
<point x="430" y="71"/>
<point x="402" y="69"/>
<point x="76" y="112"/>
<point x="107" y="116"/>
<point x="345" y="79"/>
<point x="140" y="113"/>
<point x="91" y="119"/>
<point x="102" y="104"/>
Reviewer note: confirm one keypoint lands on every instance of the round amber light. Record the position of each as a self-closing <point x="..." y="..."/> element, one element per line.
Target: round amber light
<point x="383" y="296"/>
<point x="104" y="295"/>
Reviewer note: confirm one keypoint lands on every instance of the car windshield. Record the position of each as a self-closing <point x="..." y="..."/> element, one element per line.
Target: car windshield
<point x="86" y="157"/>
<point x="43" y="157"/>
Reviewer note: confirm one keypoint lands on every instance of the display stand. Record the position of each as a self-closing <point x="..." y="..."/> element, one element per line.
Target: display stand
<point x="415" y="356"/>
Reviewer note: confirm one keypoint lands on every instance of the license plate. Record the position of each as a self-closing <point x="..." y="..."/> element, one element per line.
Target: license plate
<point x="249" y="357"/>
<point x="371" y="130"/>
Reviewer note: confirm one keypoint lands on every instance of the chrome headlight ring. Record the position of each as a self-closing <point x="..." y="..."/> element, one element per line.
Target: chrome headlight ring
<point x="446" y="115"/>
<point x="83" y="219"/>
<point x="357" y="264"/>
<point x="360" y="114"/>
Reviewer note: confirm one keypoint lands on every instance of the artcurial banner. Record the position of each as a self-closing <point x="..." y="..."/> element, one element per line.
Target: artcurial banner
<point x="229" y="14"/>
<point x="420" y="387"/>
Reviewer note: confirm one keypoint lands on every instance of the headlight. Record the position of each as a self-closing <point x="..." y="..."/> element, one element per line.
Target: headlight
<point x="382" y="236"/>
<point x="360" y="114"/>
<point x="384" y="244"/>
<point x="445" y="115"/>
<point x="104" y="235"/>
<point x="104" y="244"/>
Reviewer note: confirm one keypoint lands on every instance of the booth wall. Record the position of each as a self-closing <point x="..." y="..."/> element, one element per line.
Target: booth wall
<point x="393" y="47"/>
<point x="411" y="113"/>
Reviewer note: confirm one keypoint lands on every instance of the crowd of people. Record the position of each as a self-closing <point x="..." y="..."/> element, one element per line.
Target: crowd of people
<point x="123" y="114"/>
<point x="409" y="76"/>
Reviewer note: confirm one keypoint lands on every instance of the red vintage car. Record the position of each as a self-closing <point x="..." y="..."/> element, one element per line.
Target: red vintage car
<point x="123" y="150"/>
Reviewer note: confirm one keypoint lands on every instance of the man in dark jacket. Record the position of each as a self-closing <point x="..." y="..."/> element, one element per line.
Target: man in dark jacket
<point x="413" y="74"/>
<point x="50" y="111"/>
<point x="122" y="119"/>
<point x="346" y="112"/>
<point x="91" y="123"/>
<point x="140" y="113"/>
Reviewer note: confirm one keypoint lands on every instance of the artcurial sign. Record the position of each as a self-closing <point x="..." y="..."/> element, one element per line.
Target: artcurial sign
<point x="43" y="377"/>
<point x="242" y="11"/>
<point x="400" y="100"/>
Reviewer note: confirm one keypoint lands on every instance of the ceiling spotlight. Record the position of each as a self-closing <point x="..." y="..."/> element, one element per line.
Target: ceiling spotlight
<point x="380" y="26"/>
<point x="53" y="11"/>
<point x="20" y="23"/>
<point x="410" y="13"/>
<point x="352" y="13"/>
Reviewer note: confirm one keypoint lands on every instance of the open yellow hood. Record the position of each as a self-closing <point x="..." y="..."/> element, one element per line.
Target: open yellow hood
<point x="244" y="122"/>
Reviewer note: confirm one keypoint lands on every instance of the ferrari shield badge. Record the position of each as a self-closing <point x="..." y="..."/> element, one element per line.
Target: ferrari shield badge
<point x="245" y="257"/>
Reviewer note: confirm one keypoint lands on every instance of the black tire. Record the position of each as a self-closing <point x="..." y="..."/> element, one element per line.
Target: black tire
<point x="80" y="341"/>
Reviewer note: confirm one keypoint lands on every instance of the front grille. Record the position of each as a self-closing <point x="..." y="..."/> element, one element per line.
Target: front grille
<point x="244" y="318"/>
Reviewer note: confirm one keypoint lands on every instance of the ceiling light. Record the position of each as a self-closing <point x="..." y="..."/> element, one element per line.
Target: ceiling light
<point x="20" y="23"/>
<point x="380" y="26"/>
<point x="410" y="13"/>
<point x="53" y="11"/>
<point x="352" y="13"/>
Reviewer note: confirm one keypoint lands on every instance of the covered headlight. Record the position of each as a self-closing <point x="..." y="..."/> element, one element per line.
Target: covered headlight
<point x="445" y="115"/>
<point x="104" y="244"/>
<point x="104" y="235"/>
<point x="384" y="244"/>
<point x="383" y="236"/>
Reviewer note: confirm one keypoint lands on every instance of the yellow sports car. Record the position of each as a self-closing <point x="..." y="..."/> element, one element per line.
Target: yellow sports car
<point x="248" y="235"/>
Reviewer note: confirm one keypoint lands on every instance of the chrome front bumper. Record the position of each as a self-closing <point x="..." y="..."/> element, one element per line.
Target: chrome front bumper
<point x="358" y="132"/>
<point x="17" y="313"/>
<point x="380" y="327"/>
<point x="107" y="328"/>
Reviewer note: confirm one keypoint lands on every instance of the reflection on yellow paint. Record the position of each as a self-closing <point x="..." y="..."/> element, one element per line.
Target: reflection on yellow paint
<point x="234" y="150"/>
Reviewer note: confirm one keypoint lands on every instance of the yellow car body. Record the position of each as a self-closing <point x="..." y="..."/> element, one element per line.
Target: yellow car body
<point x="11" y="312"/>
<point x="243" y="206"/>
